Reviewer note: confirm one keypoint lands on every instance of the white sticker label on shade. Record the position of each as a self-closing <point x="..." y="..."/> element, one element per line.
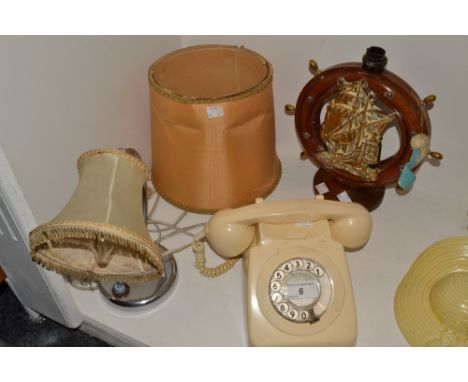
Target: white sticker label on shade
<point x="305" y="225"/>
<point x="215" y="111"/>
<point x="344" y="197"/>
<point x="322" y="188"/>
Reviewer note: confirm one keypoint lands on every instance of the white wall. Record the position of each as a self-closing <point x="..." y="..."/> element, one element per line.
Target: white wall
<point x="61" y="96"/>
<point x="431" y="65"/>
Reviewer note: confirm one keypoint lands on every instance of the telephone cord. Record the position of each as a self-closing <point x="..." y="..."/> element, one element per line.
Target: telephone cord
<point x="200" y="260"/>
<point x="197" y="245"/>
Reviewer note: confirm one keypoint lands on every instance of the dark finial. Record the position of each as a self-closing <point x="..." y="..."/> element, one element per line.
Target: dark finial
<point x="375" y="60"/>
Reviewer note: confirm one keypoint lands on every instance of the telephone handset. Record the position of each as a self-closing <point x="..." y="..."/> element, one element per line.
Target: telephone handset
<point x="299" y="290"/>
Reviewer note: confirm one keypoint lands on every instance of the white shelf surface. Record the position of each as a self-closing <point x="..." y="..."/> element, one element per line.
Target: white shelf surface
<point x="211" y="312"/>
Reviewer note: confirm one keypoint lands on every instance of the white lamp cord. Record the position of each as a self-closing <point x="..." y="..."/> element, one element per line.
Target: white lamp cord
<point x="197" y="245"/>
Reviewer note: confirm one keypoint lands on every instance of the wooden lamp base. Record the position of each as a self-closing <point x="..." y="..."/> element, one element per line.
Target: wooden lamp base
<point x="369" y="197"/>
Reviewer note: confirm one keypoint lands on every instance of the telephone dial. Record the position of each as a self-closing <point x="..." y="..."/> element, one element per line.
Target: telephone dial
<point x="299" y="289"/>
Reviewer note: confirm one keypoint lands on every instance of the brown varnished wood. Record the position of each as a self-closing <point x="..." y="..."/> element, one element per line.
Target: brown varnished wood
<point x="370" y="197"/>
<point x="323" y="87"/>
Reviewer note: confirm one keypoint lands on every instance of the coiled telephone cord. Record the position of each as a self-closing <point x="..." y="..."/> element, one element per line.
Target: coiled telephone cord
<point x="200" y="260"/>
<point x="165" y="230"/>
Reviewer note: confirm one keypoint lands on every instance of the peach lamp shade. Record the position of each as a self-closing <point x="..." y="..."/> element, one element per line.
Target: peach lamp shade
<point x="213" y="127"/>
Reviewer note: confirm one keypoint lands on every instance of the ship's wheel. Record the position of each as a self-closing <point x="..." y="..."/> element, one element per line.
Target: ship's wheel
<point x="343" y="171"/>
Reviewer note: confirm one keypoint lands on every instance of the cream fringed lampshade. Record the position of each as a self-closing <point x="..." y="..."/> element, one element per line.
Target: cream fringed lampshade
<point x="101" y="233"/>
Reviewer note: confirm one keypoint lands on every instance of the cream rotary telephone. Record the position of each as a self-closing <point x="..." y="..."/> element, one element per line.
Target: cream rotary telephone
<point x="299" y="290"/>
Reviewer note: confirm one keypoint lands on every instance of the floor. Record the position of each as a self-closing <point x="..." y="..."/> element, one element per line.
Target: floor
<point x="18" y="329"/>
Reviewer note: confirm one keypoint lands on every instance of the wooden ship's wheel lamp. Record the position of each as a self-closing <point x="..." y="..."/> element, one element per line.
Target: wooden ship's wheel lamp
<point x="361" y="100"/>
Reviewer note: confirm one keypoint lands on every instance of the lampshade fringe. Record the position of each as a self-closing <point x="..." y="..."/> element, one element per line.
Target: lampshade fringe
<point x="46" y="235"/>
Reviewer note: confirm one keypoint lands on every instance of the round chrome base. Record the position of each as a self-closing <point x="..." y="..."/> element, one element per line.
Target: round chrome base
<point x="144" y="293"/>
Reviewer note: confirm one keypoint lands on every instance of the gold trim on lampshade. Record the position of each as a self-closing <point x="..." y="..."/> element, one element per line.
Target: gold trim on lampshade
<point x="213" y="127"/>
<point x="101" y="233"/>
<point x="431" y="303"/>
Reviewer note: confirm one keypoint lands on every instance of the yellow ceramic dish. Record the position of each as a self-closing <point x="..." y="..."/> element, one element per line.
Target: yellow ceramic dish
<point x="431" y="302"/>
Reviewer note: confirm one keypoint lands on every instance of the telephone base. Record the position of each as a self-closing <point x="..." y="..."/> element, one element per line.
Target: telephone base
<point x="285" y="244"/>
<point x="369" y="197"/>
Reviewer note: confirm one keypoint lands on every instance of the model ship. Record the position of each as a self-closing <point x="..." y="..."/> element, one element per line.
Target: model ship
<point x="361" y="101"/>
<point x="352" y="130"/>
